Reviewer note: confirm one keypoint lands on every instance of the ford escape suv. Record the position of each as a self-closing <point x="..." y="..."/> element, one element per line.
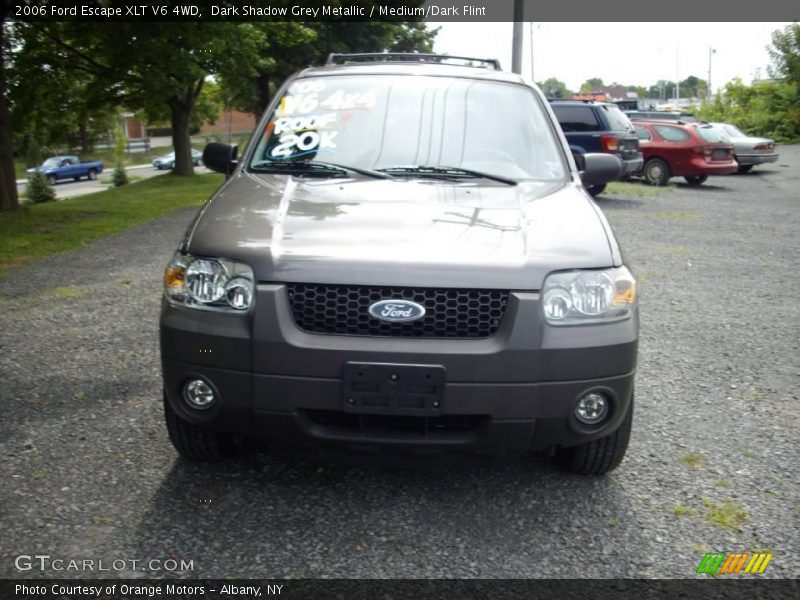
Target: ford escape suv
<point x="404" y="259"/>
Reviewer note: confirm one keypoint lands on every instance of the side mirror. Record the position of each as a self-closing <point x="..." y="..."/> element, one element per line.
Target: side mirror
<point x="598" y="168"/>
<point x="220" y="158"/>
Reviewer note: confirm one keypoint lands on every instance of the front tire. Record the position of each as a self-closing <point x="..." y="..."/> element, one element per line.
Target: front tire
<point x="696" y="179"/>
<point x="656" y="172"/>
<point x="599" y="456"/>
<point x="596" y="190"/>
<point x="195" y="443"/>
<point x="51" y="179"/>
<point x="744" y="168"/>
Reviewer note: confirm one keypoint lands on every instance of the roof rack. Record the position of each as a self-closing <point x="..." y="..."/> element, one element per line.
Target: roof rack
<point x="486" y="63"/>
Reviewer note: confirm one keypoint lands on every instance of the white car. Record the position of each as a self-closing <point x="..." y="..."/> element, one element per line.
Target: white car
<point x="749" y="151"/>
<point x="168" y="160"/>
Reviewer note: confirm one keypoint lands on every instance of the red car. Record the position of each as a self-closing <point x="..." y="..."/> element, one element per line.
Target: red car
<point x="690" y="150"/>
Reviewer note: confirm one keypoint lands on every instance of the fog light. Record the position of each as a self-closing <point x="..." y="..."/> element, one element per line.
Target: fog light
<point x="592" y="408"/>
<point x="198" y="394"/>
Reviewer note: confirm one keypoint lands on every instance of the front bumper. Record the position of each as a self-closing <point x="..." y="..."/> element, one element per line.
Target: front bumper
<point x="512" y="392"/>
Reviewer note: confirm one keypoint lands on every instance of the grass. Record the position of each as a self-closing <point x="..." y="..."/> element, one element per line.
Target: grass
<point x="65" y="292"/>
<point x="110" y="179"/>
<point x="637" y="190"/>
<point x="38" y="230"/>
<point x="679" y="510"/>
<point x="693" y="460"/>
<point x="728" y="513"/>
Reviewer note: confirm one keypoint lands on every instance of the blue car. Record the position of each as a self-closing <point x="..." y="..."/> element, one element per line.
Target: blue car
<point x="599" y="127"/>
<point x="68" y="167"/>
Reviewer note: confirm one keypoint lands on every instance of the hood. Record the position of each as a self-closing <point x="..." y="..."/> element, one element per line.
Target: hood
<point x="403" y="232"/>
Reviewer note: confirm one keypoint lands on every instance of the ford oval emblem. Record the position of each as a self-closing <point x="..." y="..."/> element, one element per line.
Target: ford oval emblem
<point x="397" y="311"/>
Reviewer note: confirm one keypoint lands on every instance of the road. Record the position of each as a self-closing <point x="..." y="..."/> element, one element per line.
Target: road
<point x="70" y="188"/>
<point x="714" y="463"/>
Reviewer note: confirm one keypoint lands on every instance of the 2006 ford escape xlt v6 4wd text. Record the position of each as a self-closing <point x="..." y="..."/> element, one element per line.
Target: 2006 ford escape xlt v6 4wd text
<point x="406" y="259"/>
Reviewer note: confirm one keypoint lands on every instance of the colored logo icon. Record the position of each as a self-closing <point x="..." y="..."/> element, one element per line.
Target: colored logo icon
<point x="721" y="563"/>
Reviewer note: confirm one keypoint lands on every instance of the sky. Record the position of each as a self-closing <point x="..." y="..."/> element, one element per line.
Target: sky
<point x="625" y="53"/>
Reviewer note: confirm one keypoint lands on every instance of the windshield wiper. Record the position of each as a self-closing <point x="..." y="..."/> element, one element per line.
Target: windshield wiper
<point x="314" y="167"/>
<point x="447" y="172"/>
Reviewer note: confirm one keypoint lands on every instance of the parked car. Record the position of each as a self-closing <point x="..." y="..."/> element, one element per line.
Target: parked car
<point x="748" y="151"/>
<point x="168" y="160"/>
<point x="404" y="259"/>
<point x="661" y="115"/>
<point x="68" y="167"/>
<point x="692" y="151"/>
<point x="599" y="127"/>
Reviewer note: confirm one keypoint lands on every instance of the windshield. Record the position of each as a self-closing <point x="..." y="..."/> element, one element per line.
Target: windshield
<point x="52" y="162"/>
<point x="384" y="122"/>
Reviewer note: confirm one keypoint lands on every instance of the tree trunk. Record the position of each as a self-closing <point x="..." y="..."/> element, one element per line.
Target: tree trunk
<point x="181" y="110"/>
<point x="263" y="95"/>
<point x="8" y="186"/>
<point x="86" y="145"/>
<point x="181" y="140"/>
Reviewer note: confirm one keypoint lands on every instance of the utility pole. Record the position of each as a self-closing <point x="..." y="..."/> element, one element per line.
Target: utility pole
<point x="677" y="76"/>
<point x="516" y="42"/>
<point x="708" y="83"/>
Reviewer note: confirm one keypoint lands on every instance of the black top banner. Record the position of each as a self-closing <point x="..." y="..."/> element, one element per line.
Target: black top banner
<point x="465" y="11"/>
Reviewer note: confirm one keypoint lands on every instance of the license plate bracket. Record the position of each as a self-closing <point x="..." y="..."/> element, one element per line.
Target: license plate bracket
<point x="393" y="389"/>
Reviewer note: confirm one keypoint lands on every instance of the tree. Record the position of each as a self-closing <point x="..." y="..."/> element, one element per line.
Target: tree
<point x="554" y="88"/>
<point x="52" y="104"/>
<point x="9" y="199"/>
<point x="289" y="47"/>
<point x="151" y="65"/>
<point x="785" y="55"/>
<point x="588" y="86"/>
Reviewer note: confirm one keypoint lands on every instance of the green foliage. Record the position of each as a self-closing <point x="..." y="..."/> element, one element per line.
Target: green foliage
<point x="785" y="54"/>
<point x="120" y="176"/>
<point x="38" y="190"/>
<point x="766" y="108"/>
<point x="286" y="47"/>
<point x="53" y="106"/>
<point x="554" y="88"/>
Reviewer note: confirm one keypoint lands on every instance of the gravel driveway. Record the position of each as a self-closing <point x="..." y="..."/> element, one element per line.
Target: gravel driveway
<point x="88" y="472"/>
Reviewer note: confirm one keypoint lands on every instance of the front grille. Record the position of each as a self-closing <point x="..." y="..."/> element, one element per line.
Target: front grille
<point x="449" y="313"/>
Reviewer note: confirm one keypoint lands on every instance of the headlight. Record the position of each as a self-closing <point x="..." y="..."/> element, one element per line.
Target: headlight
<point x="577" y="297"/>
<point x="211" y="283"/>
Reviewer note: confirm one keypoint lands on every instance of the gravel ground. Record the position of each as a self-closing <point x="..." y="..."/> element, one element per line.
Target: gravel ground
<point x="88" y="471"/>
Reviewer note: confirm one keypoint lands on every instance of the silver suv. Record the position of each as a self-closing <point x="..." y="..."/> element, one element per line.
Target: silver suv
<point x="405" y="258"/>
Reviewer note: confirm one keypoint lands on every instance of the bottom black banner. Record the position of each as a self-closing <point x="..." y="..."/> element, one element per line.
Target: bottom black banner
<point x="396" y="589"/>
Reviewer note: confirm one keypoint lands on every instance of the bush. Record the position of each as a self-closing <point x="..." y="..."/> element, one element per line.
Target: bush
<point x="120" y="177"/>
<point x="38" y="189"/>
<point x="766" y="108"/>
